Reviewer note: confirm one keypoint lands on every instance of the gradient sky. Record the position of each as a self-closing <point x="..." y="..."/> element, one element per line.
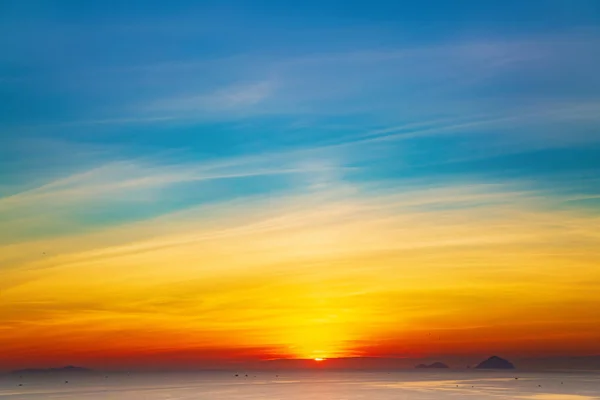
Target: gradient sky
<point x="193" y="182"/>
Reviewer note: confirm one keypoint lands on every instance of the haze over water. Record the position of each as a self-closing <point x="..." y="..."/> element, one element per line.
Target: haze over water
<point x="317" y="385"/>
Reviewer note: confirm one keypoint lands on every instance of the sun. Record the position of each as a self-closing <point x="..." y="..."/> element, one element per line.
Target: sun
<point x="319" y="359"/>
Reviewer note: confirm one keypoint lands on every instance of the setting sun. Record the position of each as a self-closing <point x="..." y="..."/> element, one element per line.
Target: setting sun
<point x="319" y="359"/>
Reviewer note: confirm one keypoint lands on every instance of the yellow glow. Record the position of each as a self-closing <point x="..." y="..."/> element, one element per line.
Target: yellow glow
<point x="319" y="359"/>
<point x="365" y="275"/>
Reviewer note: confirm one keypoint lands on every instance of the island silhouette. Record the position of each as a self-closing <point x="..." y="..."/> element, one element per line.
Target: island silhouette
<point x="343" y="363"/>
<point x="495" y="362"/>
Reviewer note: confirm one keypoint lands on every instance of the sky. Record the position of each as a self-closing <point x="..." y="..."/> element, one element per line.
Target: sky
<point x="193" y="183"/>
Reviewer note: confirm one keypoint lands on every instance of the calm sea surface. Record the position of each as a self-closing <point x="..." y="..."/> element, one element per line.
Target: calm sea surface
<point x="319" y="385"/>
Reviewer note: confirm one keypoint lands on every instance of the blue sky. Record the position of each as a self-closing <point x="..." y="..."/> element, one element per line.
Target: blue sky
<point x="270" y="96"/>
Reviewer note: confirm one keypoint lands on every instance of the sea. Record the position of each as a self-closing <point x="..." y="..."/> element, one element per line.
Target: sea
<point x="315" y="385"/>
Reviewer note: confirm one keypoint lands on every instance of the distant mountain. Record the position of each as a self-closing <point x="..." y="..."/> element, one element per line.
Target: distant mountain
<point x="434" y="365"/>
<point x="495" y="362"/>
<point x="68" y="368"/>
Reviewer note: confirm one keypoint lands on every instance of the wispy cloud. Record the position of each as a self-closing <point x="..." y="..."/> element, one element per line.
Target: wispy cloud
<point x="541" y="114"/>
<point x="444" y="239"/>
<point x="232" y="98"/>
<point x="455" y="79"/>
<point x="82" y="200"/>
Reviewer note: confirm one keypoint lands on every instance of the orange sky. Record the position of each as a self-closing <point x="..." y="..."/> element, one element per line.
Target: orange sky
<point x="325" y="274"/>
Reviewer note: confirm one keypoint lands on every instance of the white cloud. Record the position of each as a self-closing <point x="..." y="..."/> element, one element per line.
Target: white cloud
<point x="231" y="98"/>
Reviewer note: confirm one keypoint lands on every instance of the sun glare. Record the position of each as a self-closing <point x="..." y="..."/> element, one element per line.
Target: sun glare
<point x="319" y="359"/>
